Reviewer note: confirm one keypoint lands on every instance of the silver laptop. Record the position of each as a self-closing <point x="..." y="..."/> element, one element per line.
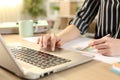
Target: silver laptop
<point x="32" y="64"/>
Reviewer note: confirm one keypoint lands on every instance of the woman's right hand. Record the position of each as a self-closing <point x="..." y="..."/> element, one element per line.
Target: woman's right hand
<point x="49" y="41"/>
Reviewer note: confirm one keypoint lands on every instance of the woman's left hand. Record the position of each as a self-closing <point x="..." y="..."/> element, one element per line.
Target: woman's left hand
<point x="107" y="46"/>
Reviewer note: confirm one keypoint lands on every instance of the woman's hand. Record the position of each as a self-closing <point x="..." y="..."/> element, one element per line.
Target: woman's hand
<point x="107" y="46"/>
<point x="49" y="41"/>
<point x="52" y="41"/>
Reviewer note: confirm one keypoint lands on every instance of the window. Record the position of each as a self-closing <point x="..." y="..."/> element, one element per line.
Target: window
<point x="10" y="10"/>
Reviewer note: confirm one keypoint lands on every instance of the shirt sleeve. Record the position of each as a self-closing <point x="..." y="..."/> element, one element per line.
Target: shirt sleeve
<point x="85" y="15"/>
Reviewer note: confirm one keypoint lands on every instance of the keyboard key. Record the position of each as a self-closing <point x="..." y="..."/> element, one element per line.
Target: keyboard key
<point x="37" y="58"/>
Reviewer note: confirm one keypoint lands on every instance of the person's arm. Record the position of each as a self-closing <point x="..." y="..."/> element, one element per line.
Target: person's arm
<point x="86" y="14"/>
<point x="77" y="27"/>
<point x="56" y="40"/>
<point x="81" y="22"/>
<point x="69" y="33"/>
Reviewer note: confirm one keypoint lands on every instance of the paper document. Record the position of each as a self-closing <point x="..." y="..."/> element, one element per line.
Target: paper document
<point x="81" y="43"/>
<point x="31" y="39"/>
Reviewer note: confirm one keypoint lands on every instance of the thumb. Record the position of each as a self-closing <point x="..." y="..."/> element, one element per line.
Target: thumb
<point x="59" y="43"/>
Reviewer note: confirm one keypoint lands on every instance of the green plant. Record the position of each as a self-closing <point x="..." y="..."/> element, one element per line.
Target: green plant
<point x="56" y="8"/>
<point x="34" y="8"/>
<point x="77" y="8"/>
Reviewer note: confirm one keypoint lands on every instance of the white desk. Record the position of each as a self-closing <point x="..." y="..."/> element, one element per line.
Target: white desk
<point x="93" y="70"/>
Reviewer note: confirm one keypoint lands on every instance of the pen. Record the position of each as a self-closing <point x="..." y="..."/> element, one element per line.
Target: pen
<point x="88" y="46"/>
<point x="85" y="48"/>
<point x="108" y="35"/>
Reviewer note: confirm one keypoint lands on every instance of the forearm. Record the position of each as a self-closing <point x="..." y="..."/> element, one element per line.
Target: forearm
<point x="85" y="15"/>
<point x="69" y="33"/>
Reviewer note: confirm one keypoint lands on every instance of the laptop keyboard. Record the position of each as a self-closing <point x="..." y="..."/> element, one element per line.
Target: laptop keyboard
<point x="37" y="58"/>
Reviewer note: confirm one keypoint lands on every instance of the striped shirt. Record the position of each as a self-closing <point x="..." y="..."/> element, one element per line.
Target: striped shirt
<point x="108" y="17"/>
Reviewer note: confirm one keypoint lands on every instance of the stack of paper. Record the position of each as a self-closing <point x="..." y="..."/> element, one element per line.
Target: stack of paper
<point x="116" y="67"/>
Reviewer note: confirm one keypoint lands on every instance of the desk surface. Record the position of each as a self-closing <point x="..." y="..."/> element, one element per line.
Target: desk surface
<point x="93" y="70"/>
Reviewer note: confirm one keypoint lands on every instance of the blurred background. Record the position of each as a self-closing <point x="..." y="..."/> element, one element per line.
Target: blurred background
<point x="16" y="10"/>
<point x="57" y="13"/>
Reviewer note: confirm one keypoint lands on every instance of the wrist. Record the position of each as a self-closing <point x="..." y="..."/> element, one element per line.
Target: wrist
<point x="60" y="38"/>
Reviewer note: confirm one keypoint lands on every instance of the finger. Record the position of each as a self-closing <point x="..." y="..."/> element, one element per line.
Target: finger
<point x="59" y="43"/>
<point x="105" y="52"/>
<point x="91" y="42"/>
<point x="45" y="40"/>
<point x="53" y="42"/>
<point x="102" y="46"/>
<point x="40" y="41"/>
<point x="99" y="41"/>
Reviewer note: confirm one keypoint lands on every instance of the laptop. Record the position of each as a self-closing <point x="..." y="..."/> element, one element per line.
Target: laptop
<point x="29" y="63"/>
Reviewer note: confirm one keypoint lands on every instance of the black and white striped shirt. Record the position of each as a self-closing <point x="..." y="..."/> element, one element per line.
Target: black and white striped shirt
<point x="108" y="19"/>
